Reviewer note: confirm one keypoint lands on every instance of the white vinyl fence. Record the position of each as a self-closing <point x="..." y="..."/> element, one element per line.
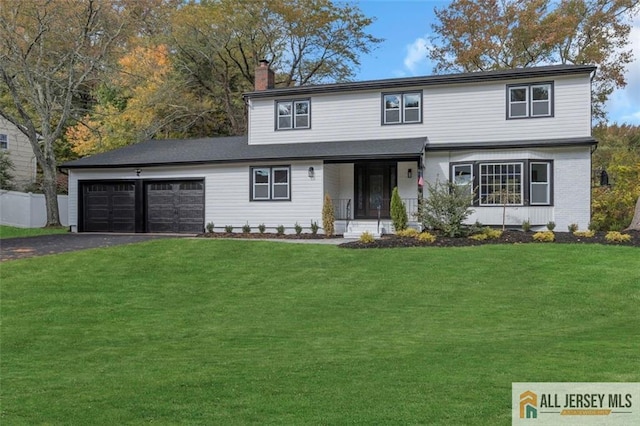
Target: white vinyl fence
<point x="29" y="210"/>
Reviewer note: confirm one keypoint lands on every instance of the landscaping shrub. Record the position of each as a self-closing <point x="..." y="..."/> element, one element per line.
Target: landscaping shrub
<point x="408" y="232"/>
<point x="280" y="229"/>
<point x="617" y="237"/>
<point x="298" y="228"/>
<point x="314" y="227"/>
<point x="492" y="234"/>
<point x="367" y="238"/>
<point x="228" y="229"/>
<point x="446" y="207"/>
<point x="573" y="227"/>
<point x="426" y="237"/>
<point x="328" y="217"/>
<point x="262" y="228"/>
<point x="551" y="225"/>
<point x="526" y="226"/>
<point x="210" y="227"/>
<point x="584" y="234"/>
<point x="398" y="211"/>
<point x="246" y="228"/>
<point x="544" y="237"/>
<point x="479" y="237"/>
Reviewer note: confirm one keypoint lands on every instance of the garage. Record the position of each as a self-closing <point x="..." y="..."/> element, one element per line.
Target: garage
<point x="155" y="206"/>
<point x="174" y="206"/>
<point x="109" y="207"/>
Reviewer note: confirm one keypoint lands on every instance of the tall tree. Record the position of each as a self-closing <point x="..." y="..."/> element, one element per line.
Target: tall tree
<point x="52" y="51"/>
<point x="218" y="44"/>
<point x="480" y="35"/>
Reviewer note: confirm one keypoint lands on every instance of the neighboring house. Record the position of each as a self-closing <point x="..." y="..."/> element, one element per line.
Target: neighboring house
<point x="14" y="141"/>
<point x="524" y="134"/>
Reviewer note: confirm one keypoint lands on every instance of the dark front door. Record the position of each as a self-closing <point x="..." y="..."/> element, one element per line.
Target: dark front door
<point x="374" y="183"/>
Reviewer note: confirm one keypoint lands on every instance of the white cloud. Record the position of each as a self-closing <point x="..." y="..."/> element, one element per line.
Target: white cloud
<point x="416" y="58"/>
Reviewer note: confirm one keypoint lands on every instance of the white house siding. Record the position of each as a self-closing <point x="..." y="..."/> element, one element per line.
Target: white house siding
<point x="451" y="113"/>
<point x="21" y="154"/>
<point x="227" y="193"/>
<point x="571" y="185"/>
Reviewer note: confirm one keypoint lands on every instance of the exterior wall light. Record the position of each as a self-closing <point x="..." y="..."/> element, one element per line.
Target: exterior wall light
<point x="312" y="172"/>
<point x="409" y="173"/>
<point x="138" y="171"/>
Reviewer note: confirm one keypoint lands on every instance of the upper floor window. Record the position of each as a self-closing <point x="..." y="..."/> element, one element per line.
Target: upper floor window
<point x="270" y="183"/>
<point x="402" y="108"/>
<point x="530" y="100"/>
<point x="4" y="141"/>
<point x="294" y="114"/>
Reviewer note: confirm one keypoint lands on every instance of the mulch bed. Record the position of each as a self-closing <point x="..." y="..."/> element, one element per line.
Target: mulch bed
<point x="508" y="237"/>
<point x="390" y="241"/>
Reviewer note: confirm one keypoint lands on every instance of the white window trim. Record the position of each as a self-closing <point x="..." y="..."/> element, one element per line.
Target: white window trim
<point x="526" y="102"/>
<point x="296" y="115"/>
<point x="274" y="183"/>
<point x="547" y="183"/>
<point x="529" y="87"/>
<point x="547" y="101"/>
<point x="499" y="163"/>
<point x="253" y="184"/>
<point x="4" y="140"/>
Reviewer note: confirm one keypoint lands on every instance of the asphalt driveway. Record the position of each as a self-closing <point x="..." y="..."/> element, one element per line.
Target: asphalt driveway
<point x="18" y="248"/>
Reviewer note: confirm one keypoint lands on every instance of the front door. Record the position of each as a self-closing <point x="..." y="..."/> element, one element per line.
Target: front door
<point x="374" y="183"/>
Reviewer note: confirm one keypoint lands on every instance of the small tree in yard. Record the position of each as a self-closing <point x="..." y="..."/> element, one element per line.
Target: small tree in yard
<point x="446" y="207"/>
<point x="635" y="222"/>
<point x="398" y="211"/>
<point x="328" y="217"/>
<point x="6" y="168"/>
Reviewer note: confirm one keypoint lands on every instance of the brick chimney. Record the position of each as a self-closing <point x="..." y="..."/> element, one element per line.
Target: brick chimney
<point x="265" y="77"/>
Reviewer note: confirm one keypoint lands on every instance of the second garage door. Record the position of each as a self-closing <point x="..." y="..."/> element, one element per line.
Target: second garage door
<point x="174" y="206"/>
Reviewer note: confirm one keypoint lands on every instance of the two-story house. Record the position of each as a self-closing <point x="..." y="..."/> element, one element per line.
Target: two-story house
<point x="16" y="143"/>
<point x="520" y="139"/>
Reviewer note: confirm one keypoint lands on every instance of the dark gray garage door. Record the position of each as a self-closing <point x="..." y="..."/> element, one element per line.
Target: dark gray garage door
<point x="176" y="206"/>
<point x="108" y="207"/>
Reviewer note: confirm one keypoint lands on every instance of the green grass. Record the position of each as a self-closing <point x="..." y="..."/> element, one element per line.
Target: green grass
<point x="13" y="232"/>
<point x="235" y="332"/>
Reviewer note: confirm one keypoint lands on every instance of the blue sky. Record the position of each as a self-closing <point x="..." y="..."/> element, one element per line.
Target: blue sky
<point x="406" y="27"/>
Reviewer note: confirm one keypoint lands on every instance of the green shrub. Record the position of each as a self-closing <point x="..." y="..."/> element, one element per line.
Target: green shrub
<point x="551" y="225"/>
<point x="446" y="207"/>
<point x="573" y="227"/>
<point x="408" y="232"/>
<point x="262" y="228"/>
<point x="526" y="226"/>
<point x="314" y="227"/>
<point x="6" y="171"/>
<point x="479" y="237"/>
<point x="544" y="237"/>
<point x="210" y="227"/>
<point x="228" y="229"/>
<point x="398" y="211"/>
<point x="367" y="238"/>
<point x="246" y="228"/>
<point x="328" y="217"/>
<point x="426" y="237"/>
<point x="617" y="237"/>
<point x="492" y="234"/>
<point x="584" y="234"/>
<point x="280" y="229"/>
<point x="298" y="228"/>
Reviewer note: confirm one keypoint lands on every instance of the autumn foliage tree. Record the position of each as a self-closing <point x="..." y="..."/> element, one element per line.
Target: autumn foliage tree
<point x="481" y="35"/>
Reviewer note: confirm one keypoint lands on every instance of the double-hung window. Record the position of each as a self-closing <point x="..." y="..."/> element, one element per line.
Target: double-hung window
<point x="540" y="183"/>
<point x="4" y="141"/>
<point x="463" y="176"/>
<point x="530" y="100"/>
<point x="294" y="114"/>
<point x="270" y="183"/>
<point x="401" y="108"/>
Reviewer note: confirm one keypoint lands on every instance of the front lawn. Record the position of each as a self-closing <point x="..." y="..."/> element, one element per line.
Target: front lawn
<point x="235" y="332"/>
<point x="13" y="232"/>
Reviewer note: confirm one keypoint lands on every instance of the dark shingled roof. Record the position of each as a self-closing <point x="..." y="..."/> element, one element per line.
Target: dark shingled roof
<point x="430" y="80"/>
<point x="236" y="149"/>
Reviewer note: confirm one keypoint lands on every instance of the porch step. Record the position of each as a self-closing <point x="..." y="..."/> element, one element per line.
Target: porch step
<point x="357" y="227"/>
